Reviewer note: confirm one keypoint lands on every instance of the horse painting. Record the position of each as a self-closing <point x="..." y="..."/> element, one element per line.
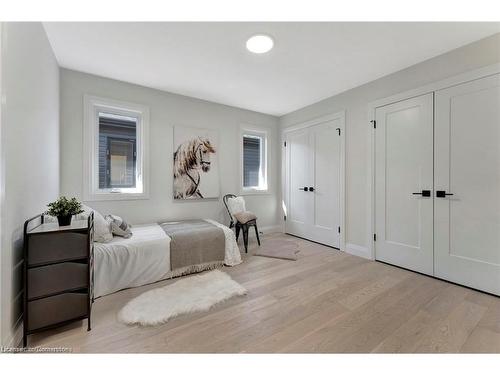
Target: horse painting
<point x="190" y="159"/>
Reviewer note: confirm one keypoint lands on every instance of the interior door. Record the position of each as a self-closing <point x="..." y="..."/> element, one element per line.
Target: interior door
<point x="467" y="165"/>
<point x="299" y="204"/>
<point x="403" y="184"/>
<point x="325" y="153"/>
<point x="313" y="183"/>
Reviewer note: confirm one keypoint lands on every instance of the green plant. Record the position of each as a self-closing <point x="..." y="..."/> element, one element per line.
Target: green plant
<point x="64" y="207"/>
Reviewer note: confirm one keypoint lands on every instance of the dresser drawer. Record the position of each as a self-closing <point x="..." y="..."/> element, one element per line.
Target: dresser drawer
<point x="56" y="278"/>
<point x="47" y="248"/>
<point x="51" y="310"/>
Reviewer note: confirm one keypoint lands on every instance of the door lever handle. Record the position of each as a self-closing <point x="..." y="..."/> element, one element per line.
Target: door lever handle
<point x="424" y="193"/>
<point x="305" y="188"/>
<point x="442" y="193"/>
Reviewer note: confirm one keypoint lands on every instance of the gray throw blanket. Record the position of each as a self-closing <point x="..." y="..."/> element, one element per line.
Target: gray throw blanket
<point x="194" y="242"/>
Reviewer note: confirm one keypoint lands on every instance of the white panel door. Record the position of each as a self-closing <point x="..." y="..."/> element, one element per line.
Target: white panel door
<point x="313" y="183"/>
<point x="300" y="202"/>
<point x="325" y="147"/>
<point x="403" y="171"/>
<point x="467" y="165"/>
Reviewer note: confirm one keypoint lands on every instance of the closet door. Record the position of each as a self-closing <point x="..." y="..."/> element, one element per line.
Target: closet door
<point x="403" y="184"/>
<point x="467" y="166"/>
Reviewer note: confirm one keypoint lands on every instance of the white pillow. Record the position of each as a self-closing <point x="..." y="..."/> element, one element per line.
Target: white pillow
<point x="81" y="216"/>
<point x="236" y="205"/>
<point x="119" y="227"/>
<point x="102" y="228"/>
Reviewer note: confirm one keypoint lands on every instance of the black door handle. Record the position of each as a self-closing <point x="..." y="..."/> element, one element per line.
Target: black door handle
<point x="442" y="193"/>
<point x="304" y="188"/>
<point x="311" y="188"/>
<point x="424" y="193"/>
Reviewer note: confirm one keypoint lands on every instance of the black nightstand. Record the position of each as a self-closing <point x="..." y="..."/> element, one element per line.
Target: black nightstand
<point x="58" y="273"/>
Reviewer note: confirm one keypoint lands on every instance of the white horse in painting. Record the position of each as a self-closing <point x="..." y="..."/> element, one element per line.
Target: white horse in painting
<point x="191" y="157"/>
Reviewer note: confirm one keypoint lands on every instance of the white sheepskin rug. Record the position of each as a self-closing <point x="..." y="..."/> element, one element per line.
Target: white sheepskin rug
<point x="192" y="294"/>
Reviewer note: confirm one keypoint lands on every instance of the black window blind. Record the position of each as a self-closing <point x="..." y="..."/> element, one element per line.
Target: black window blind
<point x="117" y="152"/>
<point x="251" y="161"/>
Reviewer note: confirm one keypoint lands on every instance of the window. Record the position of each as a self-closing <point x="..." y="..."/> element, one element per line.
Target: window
<point x="254" y="161"/>
<point x="115" y="140"/>
<point x="117" y="151"/>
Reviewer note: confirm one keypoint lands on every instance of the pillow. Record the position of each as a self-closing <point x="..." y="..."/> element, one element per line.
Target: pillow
<point x="49" y="219"/>
<point x="245" y="216"/>
<point x="236" y="205"/>
<point x="102" y="229"/>
<point x="119" y="227"/>
<point x="85" y="214"/>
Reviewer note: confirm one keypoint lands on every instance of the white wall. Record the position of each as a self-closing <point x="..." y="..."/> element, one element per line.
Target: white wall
<point x="166" y="111"/>
<point x="30" y="150"/>
<point x="355" y="102"/>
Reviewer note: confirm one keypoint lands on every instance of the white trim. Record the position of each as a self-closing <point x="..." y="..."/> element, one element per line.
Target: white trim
<point x="318" y="120"/>
<point x="258" y="131"/>
<point x="2" y="186"/>
<point x="470" y="75"/>
<point x="272" y="229"/>
<point x="372" y="106"/>
<point x="357" y="250"/>
<point x="16" y="339"/>
<point x="91" y="104"/>
<point x="314" y="121"/>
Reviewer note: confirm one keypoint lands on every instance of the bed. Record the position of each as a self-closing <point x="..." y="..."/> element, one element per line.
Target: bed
<point x="161" y="251"/>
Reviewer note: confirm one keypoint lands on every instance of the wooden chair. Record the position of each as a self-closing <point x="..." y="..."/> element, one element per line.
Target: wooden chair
<point x="241" y="226"/>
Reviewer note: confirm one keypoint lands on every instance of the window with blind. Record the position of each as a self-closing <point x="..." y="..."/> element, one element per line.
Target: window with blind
<point x="254" y="162"/>
<point x="117" y="151"/>
<point x="116" y="137"/>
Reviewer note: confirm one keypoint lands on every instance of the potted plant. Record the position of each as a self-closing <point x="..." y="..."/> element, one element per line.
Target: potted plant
<point x="64" y="209"/>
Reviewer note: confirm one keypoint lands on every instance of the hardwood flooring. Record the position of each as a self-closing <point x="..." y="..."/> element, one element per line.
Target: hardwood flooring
<point x="325" y="302"/>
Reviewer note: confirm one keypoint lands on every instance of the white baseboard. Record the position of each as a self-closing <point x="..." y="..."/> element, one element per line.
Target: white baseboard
<point x="16" y="340"/>
<point x="271" y="229"/>
<point x="357" y="250"/>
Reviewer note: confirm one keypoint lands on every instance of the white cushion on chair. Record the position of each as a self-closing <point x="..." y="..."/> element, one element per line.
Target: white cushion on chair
<point x="236" y="205"/>
<point x="245" y="216"/>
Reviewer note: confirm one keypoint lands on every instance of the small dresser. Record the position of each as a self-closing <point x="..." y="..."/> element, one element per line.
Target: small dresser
<point x="58" y="273"/>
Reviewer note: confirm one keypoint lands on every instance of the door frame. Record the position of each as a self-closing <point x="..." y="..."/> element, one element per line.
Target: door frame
<point x="2" y="184"/>
<point x="422" y="90"/>
<point x="340" y="115"/>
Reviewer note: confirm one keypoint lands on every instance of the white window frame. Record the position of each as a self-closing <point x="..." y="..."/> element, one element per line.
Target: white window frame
<point x="91" y="191"/>
<point x="264" y="134"/>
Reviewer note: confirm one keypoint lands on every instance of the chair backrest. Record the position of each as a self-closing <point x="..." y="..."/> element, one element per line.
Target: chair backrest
<point x="224" y="199"/>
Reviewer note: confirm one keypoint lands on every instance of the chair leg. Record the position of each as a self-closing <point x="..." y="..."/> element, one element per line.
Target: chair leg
<point x="257" y="234"/>
<point x="245" y="237"/>
<point x="237" y="232"/>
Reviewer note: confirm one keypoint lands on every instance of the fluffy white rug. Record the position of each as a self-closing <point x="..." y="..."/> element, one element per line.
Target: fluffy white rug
<point x="192" y="294"/>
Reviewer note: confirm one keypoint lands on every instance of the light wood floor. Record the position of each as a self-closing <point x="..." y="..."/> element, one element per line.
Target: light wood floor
<point x="327" y="301"/>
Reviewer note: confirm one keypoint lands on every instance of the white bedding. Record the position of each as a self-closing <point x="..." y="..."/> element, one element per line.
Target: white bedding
<point x="143" y="258"/>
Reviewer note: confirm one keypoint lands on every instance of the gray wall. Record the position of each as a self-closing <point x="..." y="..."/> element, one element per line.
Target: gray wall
<point x="166" y="111"/>
<point x="30" y="150"/>
<point x="355" y="103"/>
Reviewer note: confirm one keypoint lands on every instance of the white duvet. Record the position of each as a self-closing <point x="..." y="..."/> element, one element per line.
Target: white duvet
<point x="143" y="258"/>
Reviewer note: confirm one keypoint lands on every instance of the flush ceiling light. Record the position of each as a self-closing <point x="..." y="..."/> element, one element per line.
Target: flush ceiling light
<point x="260" y="43"/>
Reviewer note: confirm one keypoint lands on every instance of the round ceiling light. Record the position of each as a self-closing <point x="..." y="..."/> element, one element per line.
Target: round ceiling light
<point x="260" y="43"/>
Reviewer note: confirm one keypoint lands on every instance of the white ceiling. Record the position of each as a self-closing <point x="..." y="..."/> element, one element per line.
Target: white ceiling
<point x="310" y="61"/>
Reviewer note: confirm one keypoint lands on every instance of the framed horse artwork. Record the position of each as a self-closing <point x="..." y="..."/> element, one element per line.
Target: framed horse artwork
<point x="196" y="169"/>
